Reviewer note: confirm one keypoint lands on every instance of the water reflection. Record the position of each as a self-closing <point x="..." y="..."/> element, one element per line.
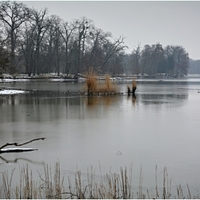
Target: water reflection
<point x="162" y="98"/>
<point x="41" y="108"/>
<point x="132" y="97"/>
<point x="20" y="159"/>
<point x="101" y="100"/>
<point x="90" y="101"/>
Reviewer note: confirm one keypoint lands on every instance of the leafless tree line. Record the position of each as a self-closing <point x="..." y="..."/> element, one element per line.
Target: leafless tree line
<point x="39" y="43"/>
<point x="172" y="60"/>
<point x="33" y="42"/>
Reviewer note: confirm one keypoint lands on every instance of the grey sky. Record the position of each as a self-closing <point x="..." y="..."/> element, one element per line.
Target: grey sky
<point x="141" y="22"/>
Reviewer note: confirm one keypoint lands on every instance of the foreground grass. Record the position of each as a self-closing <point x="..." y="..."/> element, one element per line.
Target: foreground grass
<point x="110" y="186"/>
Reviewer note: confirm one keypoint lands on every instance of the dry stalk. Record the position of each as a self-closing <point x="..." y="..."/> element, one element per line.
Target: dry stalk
<point x="189" y="193"/>
<point x="157" y="194"/>
<point x="134" y="84"/>
<point x="113" y="187"/>
<point x="140" y="183"/>
<point x="7" y="184"/>
<point x="180" y="192"/>
<point x="108" y="86"/>
<point x="91" y="81"/>
<point x="164" y="182"/>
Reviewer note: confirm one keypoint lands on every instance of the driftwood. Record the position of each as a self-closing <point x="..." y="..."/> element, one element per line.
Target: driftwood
<point x="9" y="150"/>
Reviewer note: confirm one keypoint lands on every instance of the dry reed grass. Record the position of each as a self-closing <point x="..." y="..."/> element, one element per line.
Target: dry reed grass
<point x="134" y="84"/>
<point x="110" y="186"/>
<point x="91" y="81"/>
<point x="108" y="87"/>
<point x="95" y="87"/>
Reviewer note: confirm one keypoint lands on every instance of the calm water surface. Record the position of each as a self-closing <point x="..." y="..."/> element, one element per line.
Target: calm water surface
<point x="158" y="127"/>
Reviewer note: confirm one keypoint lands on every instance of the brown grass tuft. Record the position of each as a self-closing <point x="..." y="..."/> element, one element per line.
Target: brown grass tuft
<point x="99" y="88"/>
<point x="91" y="81"/>
<point x="107" y="87"/>
<point x="134" y="84"/>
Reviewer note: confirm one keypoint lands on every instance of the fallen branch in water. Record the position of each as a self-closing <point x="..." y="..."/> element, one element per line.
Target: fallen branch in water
<point x="17" y="144"/>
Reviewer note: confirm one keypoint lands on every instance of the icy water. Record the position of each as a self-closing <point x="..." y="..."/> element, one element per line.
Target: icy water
<point x="159" y="127"/>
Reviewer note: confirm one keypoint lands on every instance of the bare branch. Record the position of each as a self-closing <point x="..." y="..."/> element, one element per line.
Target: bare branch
<point x="17" y="144"/>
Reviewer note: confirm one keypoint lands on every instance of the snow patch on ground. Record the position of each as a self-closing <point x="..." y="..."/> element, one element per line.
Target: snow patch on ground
<point x="9" y="92"/>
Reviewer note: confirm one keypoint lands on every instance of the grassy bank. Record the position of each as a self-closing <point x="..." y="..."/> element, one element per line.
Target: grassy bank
<point x="51" y="184"/>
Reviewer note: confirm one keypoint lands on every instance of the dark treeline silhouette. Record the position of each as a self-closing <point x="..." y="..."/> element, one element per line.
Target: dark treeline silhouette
<point x="194" y="67"/>
<point x="32" y="42"/>
<point x="171" y="60"/>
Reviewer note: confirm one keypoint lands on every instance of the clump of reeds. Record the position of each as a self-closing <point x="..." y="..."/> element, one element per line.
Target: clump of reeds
<point x="93" y="87"/>
<point x="134" y="84"/>
<point x="50" y="185"/>
<point x="108" y="87"/>
<point x="91" y="81"/>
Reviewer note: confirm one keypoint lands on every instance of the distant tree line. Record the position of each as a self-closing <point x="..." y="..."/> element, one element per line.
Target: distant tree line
<point x="171" y="60"/>
<point x="32" y="42"/>
<point x="194" y="67"/>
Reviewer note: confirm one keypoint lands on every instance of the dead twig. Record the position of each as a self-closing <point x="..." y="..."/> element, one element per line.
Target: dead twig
<point x="17" y="144"/>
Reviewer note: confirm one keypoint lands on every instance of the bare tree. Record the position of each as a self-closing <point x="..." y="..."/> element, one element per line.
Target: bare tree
<point x="67" y="32"/>
<point x="181" y="59"/>
<point x="28" y="47"/>
<point x="135" y="60"/>
<point x="54" y="42"/>
<point x="169" y="59"/>
<point x="4" y="57"/>
<point x="177" y="60"/>
<point x="98" y="39"/>
<point x="112" y="48"/>
<point x="115" y="64"/>
<point x="146" y="59"/>
<point x="95" y="36"/>
<point x="157" y="55"/>
<point x="13" y="15"/>
<point x="41" y="23"/>
<point x="82" y="28"/>
<point x="152" y="58"/>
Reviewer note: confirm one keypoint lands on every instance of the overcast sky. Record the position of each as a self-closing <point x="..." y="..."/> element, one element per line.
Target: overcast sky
<point x="140" y="22"/>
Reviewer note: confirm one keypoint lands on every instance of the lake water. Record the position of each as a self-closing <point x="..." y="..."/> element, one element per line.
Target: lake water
<point x="160" y="127"/>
